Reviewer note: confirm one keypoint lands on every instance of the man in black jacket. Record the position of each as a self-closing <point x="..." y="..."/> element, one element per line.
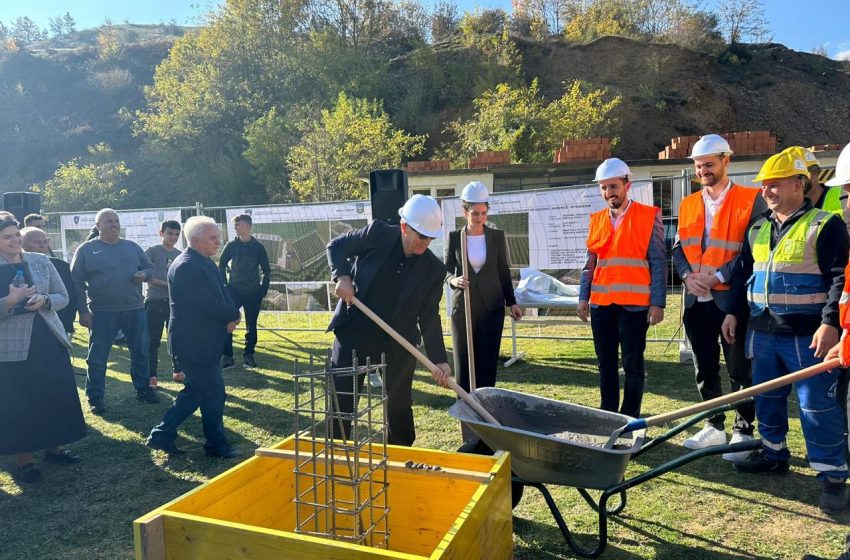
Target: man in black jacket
<point x="390" y="269"/>
<point x="202" y="317"/>
<point x="246" y="258"/>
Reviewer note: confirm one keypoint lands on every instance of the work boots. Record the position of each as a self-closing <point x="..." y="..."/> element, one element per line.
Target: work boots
<point x="833" y="497"/>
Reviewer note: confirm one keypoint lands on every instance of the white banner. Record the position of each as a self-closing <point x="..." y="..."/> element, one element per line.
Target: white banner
<point x="558" y="224"/>
<point x="558" y="220"/>
<point x="295" y="236"/>
<point x="139" y="227"/>
<point x="301" y="213"/>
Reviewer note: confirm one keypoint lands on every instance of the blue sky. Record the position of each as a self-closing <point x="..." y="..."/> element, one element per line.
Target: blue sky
<point x="801" y="26"/>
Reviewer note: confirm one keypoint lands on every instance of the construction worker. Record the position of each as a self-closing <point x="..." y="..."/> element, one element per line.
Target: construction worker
<point x="832" y="199"/>
<point x="842" y="349"/>
<point x="712" y="225"/>
<point x="623" y="285"/>
<point x="790" y="276"/>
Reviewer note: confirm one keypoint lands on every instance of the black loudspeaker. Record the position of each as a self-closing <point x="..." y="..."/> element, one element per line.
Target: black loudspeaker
<point x="22" y="203"/>
<point x="388" y="193"/>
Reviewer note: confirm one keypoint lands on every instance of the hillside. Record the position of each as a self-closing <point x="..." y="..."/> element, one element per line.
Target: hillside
<point x="670" y="91"/>
<point x="60" y="96"/>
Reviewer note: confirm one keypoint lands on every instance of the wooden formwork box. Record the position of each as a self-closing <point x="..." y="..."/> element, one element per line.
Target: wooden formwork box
<point x="460" y="513"/>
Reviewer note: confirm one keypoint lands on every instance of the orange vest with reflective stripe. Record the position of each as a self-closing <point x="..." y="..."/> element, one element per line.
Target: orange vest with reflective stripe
<point x="622" y="269"/>
<point x="844" y="314"/>
<point x="727" y="231"/>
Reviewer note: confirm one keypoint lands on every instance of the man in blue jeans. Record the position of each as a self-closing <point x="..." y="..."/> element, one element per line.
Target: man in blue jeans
<point x="202" y="317"/>
<point x="108" y="273"/>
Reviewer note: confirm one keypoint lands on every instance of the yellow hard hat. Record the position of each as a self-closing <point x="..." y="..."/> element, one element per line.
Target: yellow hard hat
<point x="784" y="164"/>
<point x="804" y="154"/>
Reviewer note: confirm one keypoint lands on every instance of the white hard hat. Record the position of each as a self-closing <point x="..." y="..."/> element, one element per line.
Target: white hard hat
<point x="711" y="145"/>
<point x="475" y="192"/>
<point x="611" y="169"/>
<point x="423" y="214"/>
<point x="842" y="169"/>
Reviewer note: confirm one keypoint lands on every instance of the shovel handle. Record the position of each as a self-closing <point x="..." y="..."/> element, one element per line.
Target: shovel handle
<point x="734" y="397"/>
<point x="467" y="398"/>
<point x="467" y="309"/>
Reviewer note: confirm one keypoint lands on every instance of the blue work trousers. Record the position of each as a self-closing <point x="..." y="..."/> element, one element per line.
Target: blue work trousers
<point x="105" y="324"/>
<point x="821" y="418"/>
<point x="204" y="389"/>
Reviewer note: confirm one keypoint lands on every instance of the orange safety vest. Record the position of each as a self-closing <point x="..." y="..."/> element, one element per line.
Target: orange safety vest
<point x="844" y="314"/>
<point x="622" y="269"/>
<point x="727" y="231"/>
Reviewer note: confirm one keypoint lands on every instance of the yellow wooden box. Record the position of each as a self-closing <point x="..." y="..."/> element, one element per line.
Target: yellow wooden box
<point x="247" y="512"/>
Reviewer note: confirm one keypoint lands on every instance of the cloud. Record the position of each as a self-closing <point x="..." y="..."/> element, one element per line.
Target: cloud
<point x="843" y="55"/>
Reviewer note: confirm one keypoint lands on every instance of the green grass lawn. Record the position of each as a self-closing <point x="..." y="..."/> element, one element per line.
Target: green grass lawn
<point x="704" y="510"/>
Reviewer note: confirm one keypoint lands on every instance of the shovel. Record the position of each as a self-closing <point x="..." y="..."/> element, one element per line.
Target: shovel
<point x="467" y="398"/>
<point x="658" y="419"/>
<point x="467" y="310"/>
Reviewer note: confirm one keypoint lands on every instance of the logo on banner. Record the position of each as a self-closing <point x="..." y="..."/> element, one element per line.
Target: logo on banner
<point x="76" y="220"/>
<point x="160" y="216"/>
<point x="249" y="211"/>
<point x="359" y="207"/>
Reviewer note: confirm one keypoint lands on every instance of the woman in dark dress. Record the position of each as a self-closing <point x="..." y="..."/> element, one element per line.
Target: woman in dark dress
<point x="39" y="405"/>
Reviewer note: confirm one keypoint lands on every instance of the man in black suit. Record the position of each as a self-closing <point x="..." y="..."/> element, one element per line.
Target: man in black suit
<point x="202" y="317"/>
<point x="392" y="272"/>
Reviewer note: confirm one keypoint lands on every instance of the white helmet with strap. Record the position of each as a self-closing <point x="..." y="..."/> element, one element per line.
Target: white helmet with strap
<point x="475" y="192"/>
<point x="423" y="214"/>
<point x="611" y="169"/>
<point x="842" y="169"/>
<point x="711" y="145"/>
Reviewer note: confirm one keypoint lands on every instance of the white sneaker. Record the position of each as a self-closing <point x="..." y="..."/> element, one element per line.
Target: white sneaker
<point x="740" y="455"/>
<point x="707" y="437"/>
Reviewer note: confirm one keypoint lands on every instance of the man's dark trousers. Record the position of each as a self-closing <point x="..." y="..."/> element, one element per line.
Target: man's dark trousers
<point x="399" y="382"/>
<point x="702" y="324"/>
<point x="615" y="328"/>
<point x="251" y="304"/>
<point x="158" y="312"/>
<point x="204" y="389"/>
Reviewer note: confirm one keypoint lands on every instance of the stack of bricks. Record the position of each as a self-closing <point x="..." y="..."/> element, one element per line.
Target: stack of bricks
<point x="827" y="147"/>
<point x="585" y="149"/>
<point x="754" y="142"/>
<point x="432" y="165"/>
<point x="679" y="148"/>
<point x="483" y="159"/>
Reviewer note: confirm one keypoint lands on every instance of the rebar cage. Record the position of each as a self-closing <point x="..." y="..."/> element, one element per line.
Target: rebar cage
<point x="341" y="453"/>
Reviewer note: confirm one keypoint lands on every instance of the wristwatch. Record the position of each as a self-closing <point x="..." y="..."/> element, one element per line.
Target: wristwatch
<point x="685" y="275"/>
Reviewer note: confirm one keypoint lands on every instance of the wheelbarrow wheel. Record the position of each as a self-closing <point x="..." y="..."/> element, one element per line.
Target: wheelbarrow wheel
<point x="478" y="447"/>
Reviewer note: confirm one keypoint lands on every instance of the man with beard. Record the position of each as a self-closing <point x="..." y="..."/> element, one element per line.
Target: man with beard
<point x="712" y="225"/>
<point x="623" y="285"/>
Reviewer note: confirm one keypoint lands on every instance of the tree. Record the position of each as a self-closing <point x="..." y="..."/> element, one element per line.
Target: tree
<point x="68" y="23"/>
<point x="62" y="25"/>
<point x="444" y="20"/>
<point x="56" y="25"/>
<point x="518" y="119"/>
<point x="86" y="185"/>
<point x="355" y="137"/>
<point x="269" y="140"/>
<point x="743" y="20"/>
<point x="587" y="20"/>
<point x="25" y="31"/>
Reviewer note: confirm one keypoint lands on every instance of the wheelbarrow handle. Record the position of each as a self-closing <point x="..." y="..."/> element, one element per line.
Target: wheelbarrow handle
<point x="467" y="398"/>
<point x="788" y="379"/>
